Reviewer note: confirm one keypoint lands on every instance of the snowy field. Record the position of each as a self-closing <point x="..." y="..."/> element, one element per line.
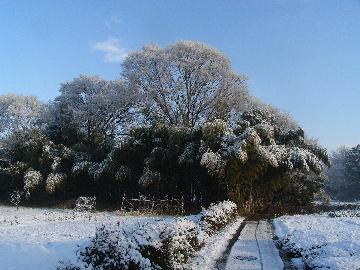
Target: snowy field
<point x="322" y="241"/>
<point x="37" y="239"/>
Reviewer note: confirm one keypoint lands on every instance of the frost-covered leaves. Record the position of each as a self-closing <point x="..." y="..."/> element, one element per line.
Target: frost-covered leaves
<point x="18" y="113"/>
<point x="160" y="245"/>
<point x="15" y="197"/>
<point x="115" y="248"/>
<point x="37" y="160"/>
<point x="123" y="173"/>
<point x="85" y="204"/>
<point x="54" y="181"/>
<point x="344" y="213"/>
<point x="260" y="155"/>
<point x="32" y="179"/>
<point x="213" y="163"/>
<point x="188" y="156"/>
<point x="214" y="130"/>
<point x="256" y="137"/>
<point x="180" y="240"/>
<point x="218" y="215"/>
<point x="94" y="169"/>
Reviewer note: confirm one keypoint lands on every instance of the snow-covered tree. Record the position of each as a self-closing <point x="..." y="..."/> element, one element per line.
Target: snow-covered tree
<point x="337" y="185"/>
<point x="352" y="170"/>
<point x="344" y="175"/>
<point x="18" y="112"/>
<point x="260" y="156"/>
<point x="186" y="83"/>
<point x="352" y="164"/>
<point x="94" y="107"/>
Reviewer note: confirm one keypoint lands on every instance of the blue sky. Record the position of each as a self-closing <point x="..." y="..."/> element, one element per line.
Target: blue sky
<point x="302" y="56"/>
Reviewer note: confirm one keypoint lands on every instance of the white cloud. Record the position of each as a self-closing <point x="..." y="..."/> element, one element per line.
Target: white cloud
<point x="113" y="52"/>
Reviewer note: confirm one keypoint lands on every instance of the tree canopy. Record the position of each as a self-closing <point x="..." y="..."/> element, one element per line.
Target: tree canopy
<point x="185" y="84"/>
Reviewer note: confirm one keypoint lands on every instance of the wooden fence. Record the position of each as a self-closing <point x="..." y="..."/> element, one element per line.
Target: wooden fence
<point x="143" y="205"/>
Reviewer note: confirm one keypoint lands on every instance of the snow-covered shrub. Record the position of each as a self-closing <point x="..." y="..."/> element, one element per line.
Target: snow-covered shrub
<point x="93" y="169"/>
<point x="53" y="181"/>
<point x="180" y="240"/>
<point x="32" y="179"/>
<point x="119" y="248"/>
<point x="15" y="198"/>
<point x="85" y="204"/>
<point x="218" y="215"/>
<point x="160" y="245"/>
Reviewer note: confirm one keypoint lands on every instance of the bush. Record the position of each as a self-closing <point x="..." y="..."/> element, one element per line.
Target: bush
<point x="85" y="204"/>
<point x="160" y="245"/>
<point x="218" y="215"/>
<point x="117" y="248"/>
<point x="180" y="241"/>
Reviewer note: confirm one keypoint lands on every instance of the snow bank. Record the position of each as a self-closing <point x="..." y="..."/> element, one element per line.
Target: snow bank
<point x="321" y="241"/>
<point x="38" y="239"/>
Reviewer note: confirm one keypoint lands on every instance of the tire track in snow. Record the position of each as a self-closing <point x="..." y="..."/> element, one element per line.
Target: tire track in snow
<point x="257" y="244"/>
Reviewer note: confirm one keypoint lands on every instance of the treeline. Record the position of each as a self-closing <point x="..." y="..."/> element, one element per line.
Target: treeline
<point x="344" y="175"/>
<point x="179" y="123"/>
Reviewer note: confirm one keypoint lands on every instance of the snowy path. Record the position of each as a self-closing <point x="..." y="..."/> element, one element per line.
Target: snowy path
<point x="255" y="249"/>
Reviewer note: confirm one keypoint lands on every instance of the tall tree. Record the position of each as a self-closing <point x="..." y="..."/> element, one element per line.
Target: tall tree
<point x="185" y="84"/>
<point x="260" y="161"/>
<point x="96" y="108"/>
<point x="352" y="170"/>
<point x="344" y="175"/>
<point x="18" y="112"/>
<point x="337" y="185"/>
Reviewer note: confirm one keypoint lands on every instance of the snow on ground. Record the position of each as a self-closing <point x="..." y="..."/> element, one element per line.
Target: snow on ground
<point x="255" y="249"/>
<point x="322" y="241"/>
<point x="207" y="257"/>
<point x="36" y="239"/>
<point x="338" y="203"/>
